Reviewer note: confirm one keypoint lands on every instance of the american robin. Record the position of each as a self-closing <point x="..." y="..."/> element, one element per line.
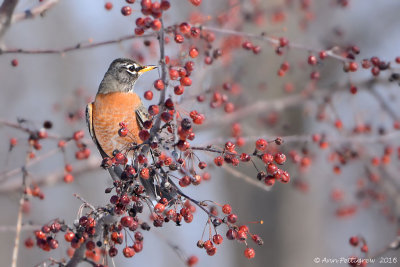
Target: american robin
<point x="117" y="102"/>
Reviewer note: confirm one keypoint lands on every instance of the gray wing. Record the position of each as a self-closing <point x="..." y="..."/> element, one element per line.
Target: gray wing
<point x="142" y="115"/>
<point x="89" y="123"/>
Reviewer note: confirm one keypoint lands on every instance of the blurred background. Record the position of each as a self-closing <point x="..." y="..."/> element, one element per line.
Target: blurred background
<point x="300" y="218"/>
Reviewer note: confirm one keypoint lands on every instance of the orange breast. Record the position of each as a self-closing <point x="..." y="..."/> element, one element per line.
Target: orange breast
<point x="108" y="111"/>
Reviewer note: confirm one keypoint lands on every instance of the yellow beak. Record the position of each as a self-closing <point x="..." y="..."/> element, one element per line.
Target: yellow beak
<point x="147" y="68"/>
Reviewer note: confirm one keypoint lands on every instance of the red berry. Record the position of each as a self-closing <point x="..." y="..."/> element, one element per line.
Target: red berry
<point x="241" y="235"/>
<point x="144" y="173"/>
<point x="146" y="4"/>
<point x="219" y="161"/>
<point x="375" y="61"/>
<point x="128" y="252"/>
<point x="247" y="45"/>
<point x="322" y="54"/>
<point x="189" y="65"/>
<point x="69" y="236"/>
<point x="375" y="71"/>
<point x="108" y="6"/>
<point x="144" y="135"/>
<point x="186" y="81"/>
<point x="229" y="107"/>
<point x="117" y="237"/>
<point x="126" y="10"/>
<point x="127" y="221"/>
<point x="173" y="74"/>
<point x="230" y="146"/>
<point x="13" y="141"/>
<point x="283" y="41"/>
<point x="156" y="25"/>
<point x="165" y="5"/>
<point x="159" y="208"/>
<point x="267" y="158"/>
<point x="312" y="60"/>
<point x="68" y="178"/>
<point x="130" y="1"/>
<point x="195" y="2"/>
<point x="184" y="27"/>
<point x="280" y="158"/>
<point x="192" y="260"/>
<point x="249" y="253"/>
<point x="217" y="239"/>
<point x="285" y="66"/>
<point x="364" y="248"/>
<point x="154" y="110"/>
<point x="159" y="85"/>
<point x="148" y="95"/>
<point x="272" y="168"/>
<point x="353" y="89"/>
<point x="231" y="234"/>
<point x="353" y="66"/>
<point x="139" y="31"/>
<point x="112" y="252"/>
<point x="232" y="218"/>
<point x="314" y="75"/>
<point x="179" y="89"/>
<point x="193" y="52"/>
<point x="29" y="243"/>
<point x="354" y="241"/>
<point x="256" y="49"/>
<point x="227" y="209"/>
<point x="261" y="144"/>
<point x="78" y="135"/>
<point x="68" y="168"/>
<point x="123" y="132"/>
<point x="179" y="38"/>
<point x="14" y="62"/>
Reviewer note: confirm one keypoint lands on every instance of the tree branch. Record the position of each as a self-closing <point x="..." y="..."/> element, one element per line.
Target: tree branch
<point x="78" y="46"/>
<point x="6" y="12"/>
<point x="34" y="12"/>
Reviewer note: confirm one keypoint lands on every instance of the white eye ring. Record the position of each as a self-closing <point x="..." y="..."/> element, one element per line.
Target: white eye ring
<point x="132" y="68"/>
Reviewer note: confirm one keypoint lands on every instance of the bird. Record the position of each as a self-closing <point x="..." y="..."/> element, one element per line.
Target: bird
<point x="117" y="102"/>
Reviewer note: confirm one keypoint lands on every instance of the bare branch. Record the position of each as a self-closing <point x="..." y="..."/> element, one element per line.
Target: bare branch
<point x="34" y="12"/>
<point x="19" y="219"/>
<point x="275" y="41"/>
<point x="6" y="12"/>
<point x="89" y="165"/>
<point x="24" y="227"/>
<point x="78" y="46"/>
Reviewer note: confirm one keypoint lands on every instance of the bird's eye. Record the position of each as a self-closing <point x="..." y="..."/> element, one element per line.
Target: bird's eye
<point x="132" y="68"/>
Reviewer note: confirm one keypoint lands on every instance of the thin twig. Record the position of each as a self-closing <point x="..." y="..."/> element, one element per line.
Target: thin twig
<point x="275" y="41"/>
<point x="34" y="12"/>
<point x="24" y="227"/>
<point x="87" y="204"/>
<point x="161" y="41"/>
<point x="55" y="177"/>
<point x="385" y="106"/>
<point x="18" y="126"/>
<point x="78" y="46"/>
<point x="5" y="175"/>
<point x="246" y="178"/>
<point x="19" y="219"/>
<point x="353" y="138"/>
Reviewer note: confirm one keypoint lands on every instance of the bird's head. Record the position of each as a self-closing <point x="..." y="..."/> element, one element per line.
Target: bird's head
<point x="122" y="75"/>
